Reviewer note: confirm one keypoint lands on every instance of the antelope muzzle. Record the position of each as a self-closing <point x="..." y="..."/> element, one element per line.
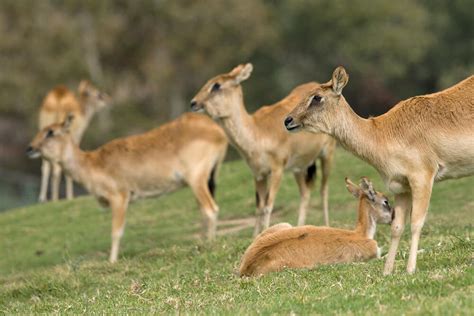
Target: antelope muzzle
<point x="195" y="106"/>
<point x="32" y="152"/>
<point x="291" y="124"/>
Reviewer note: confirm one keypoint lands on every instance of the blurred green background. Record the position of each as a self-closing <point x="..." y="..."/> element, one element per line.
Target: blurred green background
<point x="153" y="56"/>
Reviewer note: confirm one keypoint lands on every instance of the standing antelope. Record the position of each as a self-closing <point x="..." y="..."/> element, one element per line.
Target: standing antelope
<point x="419" y="141"/>
<point x="57" y="104"/>
<point x="264" y="143"/>
<point x="186" y="151"/>
<point x="282" y="246"/>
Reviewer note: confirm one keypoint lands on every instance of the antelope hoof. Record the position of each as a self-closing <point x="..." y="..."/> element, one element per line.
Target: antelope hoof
<point x="256" y="230"/>
<point x="411" y="270"/>
<point x="388" y="271"/>
<point x="210" y="236"/>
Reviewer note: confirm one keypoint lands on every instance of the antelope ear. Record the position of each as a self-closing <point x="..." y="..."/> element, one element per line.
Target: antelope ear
<point x="352" y="188"/>
<point x="367" y="187"/>
<point x="339" y="80"/>
<point x="242" y="72"/>
<point x="68" y="122"/>
<point x="83" y="87"/>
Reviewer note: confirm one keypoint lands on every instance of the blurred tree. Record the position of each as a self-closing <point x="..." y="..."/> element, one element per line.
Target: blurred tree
<point x="450" y="57"/>
<point x="153" y="55"/>
<point x="376" y="41"/>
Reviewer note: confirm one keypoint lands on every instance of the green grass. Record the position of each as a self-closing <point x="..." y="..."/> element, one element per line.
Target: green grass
<point x="53" y="257"/>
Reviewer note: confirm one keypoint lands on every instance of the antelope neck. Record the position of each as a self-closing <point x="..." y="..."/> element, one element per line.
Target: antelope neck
<point x="74" y="162"/>
<point x="240" y="126"/>
<point x="366" y="225"/>
<point x="356" y="134"/>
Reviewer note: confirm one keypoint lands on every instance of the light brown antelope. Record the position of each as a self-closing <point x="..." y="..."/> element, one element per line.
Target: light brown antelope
<point x="264" y="143"/>
<point x="419" y="141"/>
<point x="282" y="246"/>
<point x="57" y="104"/>
<point x="186" y="151"/>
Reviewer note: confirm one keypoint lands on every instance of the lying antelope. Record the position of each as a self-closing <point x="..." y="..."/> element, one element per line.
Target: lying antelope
<point x="263" y="142"/>
<point x="282" y="246"/>
<point x="186" y="151"/>
<point x="57" y="104"/>
<point x="419" y="141"/>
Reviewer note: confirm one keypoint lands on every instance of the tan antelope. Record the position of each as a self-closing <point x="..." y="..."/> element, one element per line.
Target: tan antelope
<point x="282" y="246"/>
<point x="57" y="104"/>
<point x="186" y="151"/>
<point x="264" y="143"/>
<point x="419" y="141"/>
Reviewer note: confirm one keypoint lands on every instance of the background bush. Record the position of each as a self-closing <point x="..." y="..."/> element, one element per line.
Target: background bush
<point x="153" y="56"/>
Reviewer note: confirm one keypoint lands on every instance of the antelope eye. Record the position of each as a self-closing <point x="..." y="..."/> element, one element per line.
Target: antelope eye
<point x="316" y="100"/>
<point x="49" y="134"/>
<point x="216" y="86"/>
<point x="385" y="202"/>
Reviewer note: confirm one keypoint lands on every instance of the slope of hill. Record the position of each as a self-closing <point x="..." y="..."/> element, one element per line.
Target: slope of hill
<point x="53" y="256"/>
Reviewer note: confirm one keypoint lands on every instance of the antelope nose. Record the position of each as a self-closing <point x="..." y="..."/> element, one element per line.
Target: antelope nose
<point x="288" y="121"/>
<point x="29" y="150"/>
<point x="193" y="104"/>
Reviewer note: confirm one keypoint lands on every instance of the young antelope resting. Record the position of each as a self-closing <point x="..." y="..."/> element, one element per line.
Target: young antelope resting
<point x="283" y="246"/>
<point x="186" y="151"/>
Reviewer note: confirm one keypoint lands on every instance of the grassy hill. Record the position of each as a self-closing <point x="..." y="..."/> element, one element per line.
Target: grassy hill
<point x="53" y="257"/>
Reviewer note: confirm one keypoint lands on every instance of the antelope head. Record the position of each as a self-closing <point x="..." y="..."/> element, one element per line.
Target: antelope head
<point x="317" y="111"/>
<point x="220" y="96"/>
<point x="50" y="142"/>
<point x="93" y="99"/>
<point x="380" y="211"/>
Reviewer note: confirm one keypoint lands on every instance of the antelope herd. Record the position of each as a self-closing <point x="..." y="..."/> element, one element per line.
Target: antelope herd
<point x="420" y="141"/>
<point x="263" y="142"/>
<point x="57" y="105"/>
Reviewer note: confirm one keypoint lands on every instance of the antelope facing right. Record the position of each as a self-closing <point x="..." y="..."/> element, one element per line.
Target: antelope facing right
<point x="419" y="141"/>
<point x="264" y="143"/>
<point x="185" y="152"/>
<point x="282" y="246"/>
<point x="56" y="106"/>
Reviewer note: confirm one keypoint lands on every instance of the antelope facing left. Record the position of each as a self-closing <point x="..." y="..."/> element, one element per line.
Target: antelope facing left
<point x="263" y="142"/>
<point x="57" y="104"/>
<point x="186" y="151"/>
<point x="420" y="141"/>
<point x="282" y="246"/>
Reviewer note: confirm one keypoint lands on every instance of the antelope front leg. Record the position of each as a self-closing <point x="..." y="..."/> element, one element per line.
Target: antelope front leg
<point x="421" y="202"/>
<point x="326" y="163"/>
<point x="305" y="195"/>
<point x="402" y="207"/>
<point x="56" y="181"/>
<point x="274" y="185"/>
<point x="260" y="196"/>
<point x="69" y="188"/>
<point x="209" y="209"/>
<point x="119" y="206"/>
<point x="45" y="172"/>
